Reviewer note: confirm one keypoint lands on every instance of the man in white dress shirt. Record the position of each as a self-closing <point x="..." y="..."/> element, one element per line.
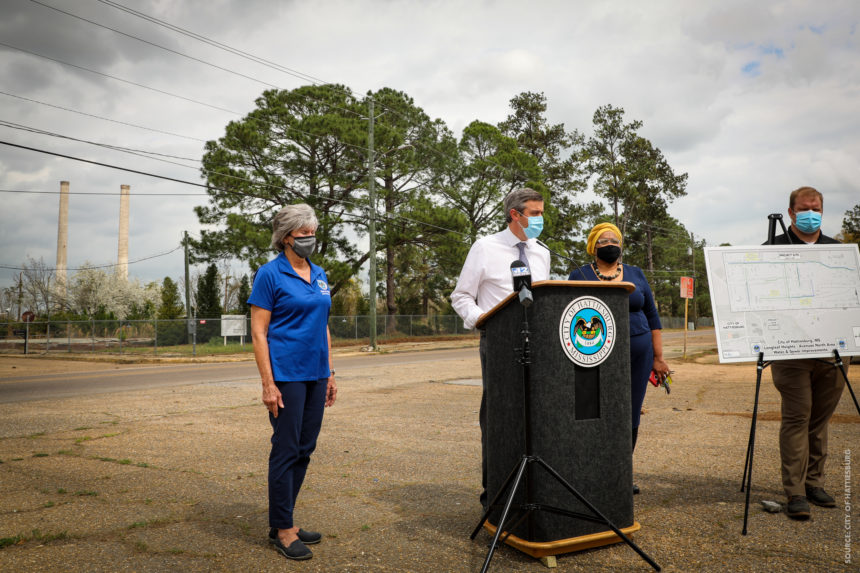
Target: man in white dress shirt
<point x="485" y="279"/>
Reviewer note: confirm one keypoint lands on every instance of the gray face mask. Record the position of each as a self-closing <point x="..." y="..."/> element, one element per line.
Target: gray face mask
<point x="304" y="246"/>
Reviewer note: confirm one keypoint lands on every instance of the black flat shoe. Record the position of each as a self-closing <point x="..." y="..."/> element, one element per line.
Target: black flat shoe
<point x="296" y="551"/>
<point x="635" y="489"/>
<point x="307" y="537"/>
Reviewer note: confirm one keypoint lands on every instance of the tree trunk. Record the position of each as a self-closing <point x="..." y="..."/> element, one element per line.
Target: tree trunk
<point x="649" y="245"/>
<point x="390" y="303"/>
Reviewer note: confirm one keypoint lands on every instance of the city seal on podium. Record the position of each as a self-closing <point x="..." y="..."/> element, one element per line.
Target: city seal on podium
<point x="587" y="331"/>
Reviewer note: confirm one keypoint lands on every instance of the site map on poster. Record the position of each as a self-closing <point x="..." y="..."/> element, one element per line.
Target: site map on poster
<point x="787" y="301"/>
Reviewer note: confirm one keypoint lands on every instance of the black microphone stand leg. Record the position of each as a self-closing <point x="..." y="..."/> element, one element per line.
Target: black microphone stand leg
<point x="747" y="462"/>
<point x="496" y="498"/>
<point x="521" y="468"/>
<point x="841" y="367"/>
<point x="751" y="447"/>
<point x="596" y="512"/>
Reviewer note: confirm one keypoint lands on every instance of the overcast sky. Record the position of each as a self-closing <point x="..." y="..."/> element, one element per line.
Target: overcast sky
<point x="751" y="99"/>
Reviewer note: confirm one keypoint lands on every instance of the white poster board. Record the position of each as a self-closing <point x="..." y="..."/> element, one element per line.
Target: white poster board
<point x="787" y="301"/>
<point x="234" y="325"/>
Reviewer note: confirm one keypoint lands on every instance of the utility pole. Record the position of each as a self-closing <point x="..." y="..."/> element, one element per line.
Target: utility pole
<point x="371" y="224"/>
<point x="695" y="280"/>
<point x="226" y="286"/>
<point x="21" y="293"/>
<point x="187" y="290"/>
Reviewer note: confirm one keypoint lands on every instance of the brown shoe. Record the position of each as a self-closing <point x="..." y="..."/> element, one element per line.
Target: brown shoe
<point x="818" y="496"/>
<point x="797" y="508"/>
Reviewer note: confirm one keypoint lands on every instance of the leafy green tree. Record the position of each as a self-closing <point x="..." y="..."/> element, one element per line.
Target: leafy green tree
<point x="489" y="165"/>
<point x="851" y="225"/>
<point x="171" y="306"/>
<point x="632" y="175"/>
<point x="304" y="145"/>
<point x="653" y="185"/>
<point x="409" y="149"/>
<point x="559" y="155"/>
<point x="209" y="293"/>
<point x="243" y="295"/>
<point x="605" y="152"/>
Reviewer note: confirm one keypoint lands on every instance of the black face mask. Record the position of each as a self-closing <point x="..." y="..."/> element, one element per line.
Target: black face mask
<point x="609" y="253"/>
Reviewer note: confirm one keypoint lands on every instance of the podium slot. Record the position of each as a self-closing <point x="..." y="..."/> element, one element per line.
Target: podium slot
<point x="586" y="396"/>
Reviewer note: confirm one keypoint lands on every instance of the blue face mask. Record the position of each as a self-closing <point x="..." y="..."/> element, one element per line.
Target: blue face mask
<point x="535" y="227"/>
<point x="808" y="221"/>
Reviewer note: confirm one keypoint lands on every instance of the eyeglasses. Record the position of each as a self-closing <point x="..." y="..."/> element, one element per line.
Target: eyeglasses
<point x="604" y="242"/>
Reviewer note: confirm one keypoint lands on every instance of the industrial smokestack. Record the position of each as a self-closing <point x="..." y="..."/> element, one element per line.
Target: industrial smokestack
<point x="122" y="251"/>
<point x="63" y="234"/>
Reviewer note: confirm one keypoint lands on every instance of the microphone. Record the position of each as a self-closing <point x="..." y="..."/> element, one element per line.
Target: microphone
<point x="576" y="265"/>
<point x="522" y="276"/>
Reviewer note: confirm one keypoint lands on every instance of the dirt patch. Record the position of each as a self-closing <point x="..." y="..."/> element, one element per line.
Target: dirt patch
<point x="174" y="479"/>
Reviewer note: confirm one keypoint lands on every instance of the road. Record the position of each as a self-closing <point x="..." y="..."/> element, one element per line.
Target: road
<point x="143" y="377"/>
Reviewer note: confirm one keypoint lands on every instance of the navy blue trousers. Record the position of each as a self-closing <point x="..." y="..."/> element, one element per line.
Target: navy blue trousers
<point x="641" y="363"/>
<point x="294" y="438"/>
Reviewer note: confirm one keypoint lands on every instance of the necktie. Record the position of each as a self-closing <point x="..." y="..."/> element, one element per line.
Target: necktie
<point x="522" y="247"/>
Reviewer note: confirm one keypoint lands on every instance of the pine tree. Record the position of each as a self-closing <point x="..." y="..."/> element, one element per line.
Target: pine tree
<point x="209" y="294"/>
<point x="171" y="306"/>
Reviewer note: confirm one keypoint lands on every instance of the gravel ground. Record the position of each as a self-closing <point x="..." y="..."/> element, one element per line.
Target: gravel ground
<point x="175" y="479"/>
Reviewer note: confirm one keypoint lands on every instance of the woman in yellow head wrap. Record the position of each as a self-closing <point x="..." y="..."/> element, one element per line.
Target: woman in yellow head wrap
<point x="646" y="342"/>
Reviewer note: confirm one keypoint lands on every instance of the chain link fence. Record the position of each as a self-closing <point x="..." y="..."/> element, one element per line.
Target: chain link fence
<point x="182" y="336"/>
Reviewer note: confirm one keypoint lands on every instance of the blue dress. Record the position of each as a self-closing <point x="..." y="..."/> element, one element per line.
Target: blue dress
<point x="643" y="319"/>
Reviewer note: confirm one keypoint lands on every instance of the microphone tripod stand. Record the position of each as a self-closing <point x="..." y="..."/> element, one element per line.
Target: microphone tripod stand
<point x="521" y="474"/>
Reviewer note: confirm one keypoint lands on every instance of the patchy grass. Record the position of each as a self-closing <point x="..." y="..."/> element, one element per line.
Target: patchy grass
<point x="36" y="535"/>
<point x="41" y="455"/>
<point x="7" y="541"/>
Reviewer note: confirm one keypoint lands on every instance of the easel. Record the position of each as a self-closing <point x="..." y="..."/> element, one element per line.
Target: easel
<point x="521" y="473"/>
<point x="746" y="480"/>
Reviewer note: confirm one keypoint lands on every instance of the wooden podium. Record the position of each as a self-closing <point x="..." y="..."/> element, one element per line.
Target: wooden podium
<point x="579" y="417"/>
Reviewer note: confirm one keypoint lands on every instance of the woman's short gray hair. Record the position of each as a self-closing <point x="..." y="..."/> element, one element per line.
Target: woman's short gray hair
<point x="289" y="219"/>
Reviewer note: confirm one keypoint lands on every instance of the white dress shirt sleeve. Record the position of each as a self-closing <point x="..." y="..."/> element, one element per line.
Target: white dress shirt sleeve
<point x="464" y="298"/>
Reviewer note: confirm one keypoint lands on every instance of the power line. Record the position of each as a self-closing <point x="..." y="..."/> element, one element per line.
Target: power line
<point x="199" y="37"/>
<point x="259" y="60"/>
<point x="214" y="43"/>
<point x="155" y="45"/>
<point x="140" y="152"/>
<point x="112" y="265"/>
<point x="109" y="193"/>
<point x="188" y="99"/>
<point x="102" y="117"/>
<point x="100" y="164"/>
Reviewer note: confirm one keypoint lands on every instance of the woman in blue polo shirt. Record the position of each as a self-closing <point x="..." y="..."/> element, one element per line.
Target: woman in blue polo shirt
<point x="646" y="335"/>
<point x="290" y="305"/>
